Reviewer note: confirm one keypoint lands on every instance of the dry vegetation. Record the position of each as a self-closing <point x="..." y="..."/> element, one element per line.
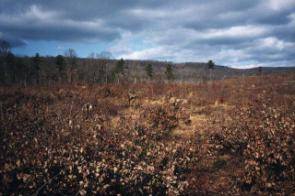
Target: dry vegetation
<point x="235" y="136"/>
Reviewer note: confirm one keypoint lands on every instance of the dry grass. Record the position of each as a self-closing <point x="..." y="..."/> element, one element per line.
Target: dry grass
<point x="173" y="139"/>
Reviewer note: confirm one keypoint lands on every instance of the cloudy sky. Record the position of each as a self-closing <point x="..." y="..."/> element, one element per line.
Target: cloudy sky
<point x="238" y="33"/>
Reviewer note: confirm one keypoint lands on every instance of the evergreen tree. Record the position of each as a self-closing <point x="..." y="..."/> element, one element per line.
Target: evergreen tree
<point x="259" y="70"/>
<point x="61" y="66"/>
<point x="36" y="66"/>
<point x="149" y="71"/>
<point x="119" y="70"/>
<point x="169" y="72"/>
<point x="210" y="64"/>
<point x="60" y="62"/>
<point x="11" y="68"/>
<point x="120" y="66"/>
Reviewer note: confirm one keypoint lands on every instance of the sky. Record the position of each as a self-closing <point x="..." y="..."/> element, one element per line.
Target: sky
<point x="235" y="33"/>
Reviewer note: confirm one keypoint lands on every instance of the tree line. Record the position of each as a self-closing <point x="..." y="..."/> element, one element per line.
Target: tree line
<point x="68" y="68"/>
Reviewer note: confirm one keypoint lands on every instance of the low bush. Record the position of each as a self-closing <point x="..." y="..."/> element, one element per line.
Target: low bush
<point x="263" y="139"/>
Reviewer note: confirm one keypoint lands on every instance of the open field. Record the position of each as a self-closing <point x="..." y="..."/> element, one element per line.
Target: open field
<point x="235" y="136"/>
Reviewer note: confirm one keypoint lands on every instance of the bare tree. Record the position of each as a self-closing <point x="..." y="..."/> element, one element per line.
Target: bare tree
<point x="72" y="63"/>
<point x="104" y="57"/>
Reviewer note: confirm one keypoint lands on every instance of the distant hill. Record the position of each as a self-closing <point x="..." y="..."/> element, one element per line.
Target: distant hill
<point x="196" y="71"/>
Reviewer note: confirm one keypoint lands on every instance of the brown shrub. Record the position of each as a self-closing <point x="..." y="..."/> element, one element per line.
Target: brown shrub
<point x="262" y="138"/>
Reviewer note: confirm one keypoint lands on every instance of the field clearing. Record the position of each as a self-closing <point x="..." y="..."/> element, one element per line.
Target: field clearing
<point x="235" y="136"/>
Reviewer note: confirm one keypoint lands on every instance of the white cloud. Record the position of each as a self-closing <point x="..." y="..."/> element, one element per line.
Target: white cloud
<point x="280" y="4"/>
<point x="273" y="42"/>
<point x="147" y="13"/>
<point x="35" y="12"/>
<point x="150" y="53"/>
<point x="235" y="31"/>
<point x="123" y="45"/>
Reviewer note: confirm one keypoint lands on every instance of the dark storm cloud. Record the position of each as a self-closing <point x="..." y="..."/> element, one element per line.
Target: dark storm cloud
<point x="34" y="22"/>
<point x="13" y="41"/>
<point x="61" y="31"/>
<point x="230" y="30"/>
